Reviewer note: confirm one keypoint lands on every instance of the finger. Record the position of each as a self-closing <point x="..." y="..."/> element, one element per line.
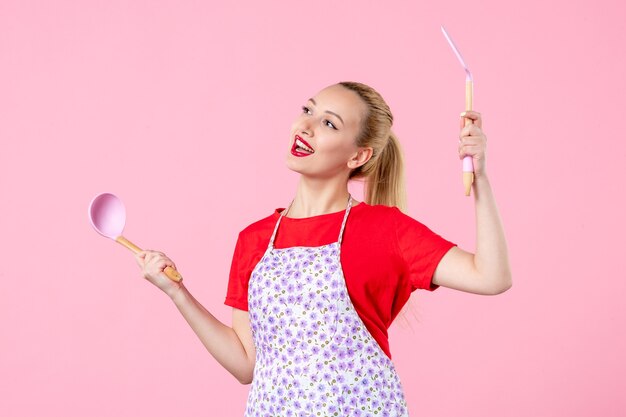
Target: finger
<point x="164" y="261"/>
<point x="161" y="265"/>
<point x="474" y="130"/>
<point x="471" y="131"/>
<point x="466" y="131"/>
<point x="471" y="150"/>
<point x="474" y="116"/>
<point x="140" y="258"/>
<point x="466" y="146"/>
<point x="471" y="114"/>
<point x="158" y="255"/>
<point x="151" y="259"/>
<point x="148" y="257"/>
<point x="472" y="140"/>
<point x="465" y="123"/>
<point x="155" y="259"/>
<point x="162" y="256"/>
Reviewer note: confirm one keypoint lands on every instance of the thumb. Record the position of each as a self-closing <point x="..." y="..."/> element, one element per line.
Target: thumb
<point x="140" y="257"/>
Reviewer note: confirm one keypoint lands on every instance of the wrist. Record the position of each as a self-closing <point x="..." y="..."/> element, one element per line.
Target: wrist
<point x="481" y="178"/>
<point x="481" y="187"/>
<point x="177" y="293"/>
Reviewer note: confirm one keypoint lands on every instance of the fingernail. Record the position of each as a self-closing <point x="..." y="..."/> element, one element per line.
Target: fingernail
<point x="463" y="114"/>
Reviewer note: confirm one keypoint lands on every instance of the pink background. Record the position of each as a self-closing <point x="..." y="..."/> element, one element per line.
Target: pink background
<point x="182" y="108"/>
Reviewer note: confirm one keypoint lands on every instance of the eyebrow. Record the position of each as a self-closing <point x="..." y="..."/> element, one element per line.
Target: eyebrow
<point x="328" y="111"/>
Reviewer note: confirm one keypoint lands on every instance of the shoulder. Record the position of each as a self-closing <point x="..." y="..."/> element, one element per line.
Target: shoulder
<point x="376" y="210"/>
<point x="260" y="227"/>
<point x="391" y="221"/>
<point x="385" y="215"/>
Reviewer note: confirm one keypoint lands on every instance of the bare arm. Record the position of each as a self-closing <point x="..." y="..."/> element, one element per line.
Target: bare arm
<point x="488" y="271"/>
<point x="232" y="347"/>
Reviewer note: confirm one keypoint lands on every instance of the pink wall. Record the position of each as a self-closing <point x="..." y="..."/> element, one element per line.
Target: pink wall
<point x="182" y="108"/>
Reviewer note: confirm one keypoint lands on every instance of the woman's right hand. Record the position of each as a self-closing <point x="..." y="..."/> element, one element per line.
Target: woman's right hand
<point x="152" y="264"/>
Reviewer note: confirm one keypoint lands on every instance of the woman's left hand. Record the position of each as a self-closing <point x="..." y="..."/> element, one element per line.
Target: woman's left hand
<point x="473" y="142"/>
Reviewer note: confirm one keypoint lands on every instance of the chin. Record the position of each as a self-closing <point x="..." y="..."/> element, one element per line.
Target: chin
<point x="289" y="162"/>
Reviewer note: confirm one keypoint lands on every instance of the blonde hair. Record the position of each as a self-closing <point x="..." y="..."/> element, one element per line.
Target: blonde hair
<point x="383" y="173"/>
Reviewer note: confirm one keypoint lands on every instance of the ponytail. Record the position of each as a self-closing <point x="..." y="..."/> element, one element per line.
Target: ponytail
<point x="386" y="185"/>
<point x="384" y="171"/>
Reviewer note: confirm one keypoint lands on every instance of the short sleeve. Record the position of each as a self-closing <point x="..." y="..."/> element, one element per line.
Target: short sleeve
<point x="237" y="292"/>
<point x="421" y="250"/>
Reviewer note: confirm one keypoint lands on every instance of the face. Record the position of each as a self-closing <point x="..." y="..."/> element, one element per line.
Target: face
<point x="328" y="125"/>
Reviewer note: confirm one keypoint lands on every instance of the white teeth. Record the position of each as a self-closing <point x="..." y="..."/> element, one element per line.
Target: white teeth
<point x="303" y="146"/>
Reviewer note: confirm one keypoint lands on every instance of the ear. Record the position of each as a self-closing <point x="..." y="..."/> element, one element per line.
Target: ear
<point x="360" y="158"/>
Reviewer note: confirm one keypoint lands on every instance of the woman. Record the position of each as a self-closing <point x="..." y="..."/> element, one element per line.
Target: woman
<point x="313" y="299"/>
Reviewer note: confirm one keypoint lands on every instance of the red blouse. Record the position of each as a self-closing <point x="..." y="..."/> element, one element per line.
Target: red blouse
<point x="385" y="255"/>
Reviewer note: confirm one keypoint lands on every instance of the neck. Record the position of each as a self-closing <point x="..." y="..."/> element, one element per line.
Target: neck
<point x="315" y="197"/>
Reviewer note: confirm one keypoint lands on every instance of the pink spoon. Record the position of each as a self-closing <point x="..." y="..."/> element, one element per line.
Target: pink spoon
<point x="468" y="165"/>
<point x="108" y="216"/>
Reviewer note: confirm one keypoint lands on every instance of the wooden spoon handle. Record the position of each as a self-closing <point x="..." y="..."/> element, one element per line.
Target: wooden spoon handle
<point x="127" y="243"/>
<point x="173" y="274"/>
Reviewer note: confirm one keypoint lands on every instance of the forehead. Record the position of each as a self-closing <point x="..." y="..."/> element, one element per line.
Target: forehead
<point x="342" y="101"/>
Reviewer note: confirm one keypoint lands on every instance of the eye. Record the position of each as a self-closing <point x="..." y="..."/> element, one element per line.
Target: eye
<point x="329" y="123"/>
<point x="305" y="109"/>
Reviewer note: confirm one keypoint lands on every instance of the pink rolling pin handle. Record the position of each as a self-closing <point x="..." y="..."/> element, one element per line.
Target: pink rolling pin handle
<point x="169" y="271"/>
<point x="468" y="174"/>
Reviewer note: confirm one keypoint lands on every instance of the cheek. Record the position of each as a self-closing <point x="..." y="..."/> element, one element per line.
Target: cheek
<point x="336" y="148"/>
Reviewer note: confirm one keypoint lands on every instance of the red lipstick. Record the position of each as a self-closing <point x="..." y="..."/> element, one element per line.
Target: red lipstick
<point x="299" y="147"/>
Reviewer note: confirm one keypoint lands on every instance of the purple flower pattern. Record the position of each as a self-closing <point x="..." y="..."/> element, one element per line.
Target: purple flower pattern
<point x="314" y="355"/>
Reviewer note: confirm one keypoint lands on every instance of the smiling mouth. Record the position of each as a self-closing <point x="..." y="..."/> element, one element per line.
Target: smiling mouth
<point x="300" y="146"/>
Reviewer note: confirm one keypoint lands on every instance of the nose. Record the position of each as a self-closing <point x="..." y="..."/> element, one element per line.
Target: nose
<point x="305" y="127"/>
